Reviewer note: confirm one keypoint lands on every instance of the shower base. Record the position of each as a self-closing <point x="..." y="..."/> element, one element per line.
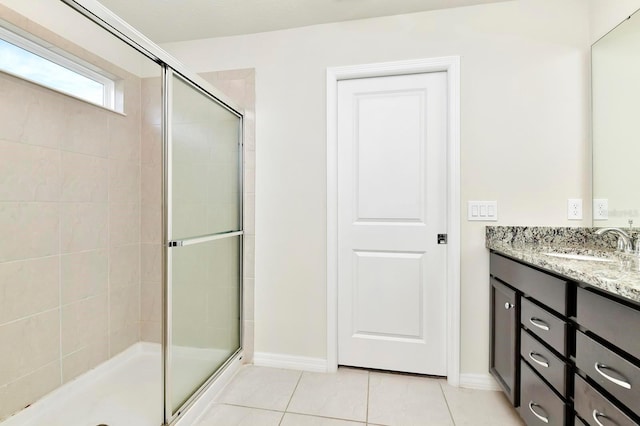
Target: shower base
<point x="126" y="390"/>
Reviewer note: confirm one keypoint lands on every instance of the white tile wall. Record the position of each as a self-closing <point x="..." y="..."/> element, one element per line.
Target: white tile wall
<point x="69" y="190"/>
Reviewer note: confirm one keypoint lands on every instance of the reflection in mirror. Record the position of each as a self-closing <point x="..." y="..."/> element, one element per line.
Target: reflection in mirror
<point x="616" y="125"/>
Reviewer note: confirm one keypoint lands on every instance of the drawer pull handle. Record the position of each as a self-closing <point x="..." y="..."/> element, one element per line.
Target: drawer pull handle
<point x="508" y="305"/>
<point x="544" y="419"/>
<point x="539" y="323"/>
<point x="599" y="367"/>
<point x="597" y="414"/>
<point x="544" y="362"/>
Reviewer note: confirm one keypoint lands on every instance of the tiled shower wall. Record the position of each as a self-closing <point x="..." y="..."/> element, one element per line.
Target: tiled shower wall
<point x="238" y="85"/>
<point x="70" y="226"/>
<point x="80" y="219"/>
<point x="151" y="213"/>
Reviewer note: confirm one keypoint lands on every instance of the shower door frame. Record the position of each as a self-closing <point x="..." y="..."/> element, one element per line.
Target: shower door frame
<point x="168" y="76"/>
<point x="104" y="18"/>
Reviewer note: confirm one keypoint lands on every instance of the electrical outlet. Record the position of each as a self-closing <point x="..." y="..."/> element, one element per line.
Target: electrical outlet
<point x="600" y="209"/>
<point x="574" y="209"/>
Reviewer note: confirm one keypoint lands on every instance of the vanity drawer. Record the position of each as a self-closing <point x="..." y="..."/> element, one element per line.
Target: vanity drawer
<point x="552" y="368"/>
<point x="548" y="289"/>
<point x="538" y="404"/>
<point x="545" y="325"/>
<point x="614" y="373"/>
<point x="594" y="408"/>
<point x="613" y="321"/>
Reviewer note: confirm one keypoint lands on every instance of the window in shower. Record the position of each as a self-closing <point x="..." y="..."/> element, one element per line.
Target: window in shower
<point x="41" y="63"/>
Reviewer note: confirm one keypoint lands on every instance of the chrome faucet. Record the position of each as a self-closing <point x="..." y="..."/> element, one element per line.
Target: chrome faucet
<point x="625" y="243"/>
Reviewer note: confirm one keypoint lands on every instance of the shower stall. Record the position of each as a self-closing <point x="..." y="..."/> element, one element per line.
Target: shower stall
<point x="204" y="239"/>
<point x="121" y="265"/>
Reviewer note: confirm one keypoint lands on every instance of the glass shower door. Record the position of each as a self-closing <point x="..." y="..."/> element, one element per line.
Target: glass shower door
<point x="204" y="249"/>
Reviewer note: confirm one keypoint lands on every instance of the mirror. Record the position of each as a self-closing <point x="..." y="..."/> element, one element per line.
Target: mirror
<point x="616" y="125"/>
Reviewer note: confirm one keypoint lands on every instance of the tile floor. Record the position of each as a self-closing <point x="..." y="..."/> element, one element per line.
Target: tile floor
<point x="261" y="396"/>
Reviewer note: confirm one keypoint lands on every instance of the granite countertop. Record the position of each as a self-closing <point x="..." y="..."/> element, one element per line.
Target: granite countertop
<point x="620" y="277"/>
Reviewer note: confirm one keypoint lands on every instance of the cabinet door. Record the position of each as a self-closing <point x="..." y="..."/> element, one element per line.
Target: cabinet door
<point x="504" y="339"/>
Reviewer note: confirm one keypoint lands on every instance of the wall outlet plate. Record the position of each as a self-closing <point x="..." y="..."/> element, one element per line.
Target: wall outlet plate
<point x="600" y="209"/>
<point x="574" y="209"/>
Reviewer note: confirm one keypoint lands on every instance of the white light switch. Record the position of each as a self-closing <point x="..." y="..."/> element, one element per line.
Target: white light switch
<point x="482" y="211"/>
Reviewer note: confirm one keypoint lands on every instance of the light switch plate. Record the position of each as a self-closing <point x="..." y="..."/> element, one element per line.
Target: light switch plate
<point x="486" y="211"/>
<point x="574" y="209"/>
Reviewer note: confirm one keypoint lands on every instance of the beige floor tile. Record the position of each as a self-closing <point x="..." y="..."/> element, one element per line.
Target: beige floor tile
<point x="261" y="387"/>
<point x="396" y="399"/>
<point x="231" y="415"/>
<point x="340" y="395"/>
<point x="291" y="419"/>
<point x="480" y="408"/>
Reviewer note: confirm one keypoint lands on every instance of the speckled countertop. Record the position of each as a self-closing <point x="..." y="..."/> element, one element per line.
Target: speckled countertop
<point x="620" y="276"/>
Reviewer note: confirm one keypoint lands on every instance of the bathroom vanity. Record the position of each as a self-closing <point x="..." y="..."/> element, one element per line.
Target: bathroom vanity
<point x="565" y="333"/>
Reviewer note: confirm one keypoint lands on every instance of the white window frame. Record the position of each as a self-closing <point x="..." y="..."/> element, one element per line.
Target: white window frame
<point x="52" y="54"/>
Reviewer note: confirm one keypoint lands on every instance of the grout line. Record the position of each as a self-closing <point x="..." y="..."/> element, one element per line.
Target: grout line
<point x="447" y="403"/>
<point x="139" y="127"/>
<point x="291" y="397"/>
<point x="247" y="406"/>
<point x="324" y="417"/>
<point x="366" y="418"/>
<point x="35" y="314"/>
<point x="27" y="259"/>
<point x="109" y="260"/>
<point x="37" y="369"/>
<point x="60" y="331"/>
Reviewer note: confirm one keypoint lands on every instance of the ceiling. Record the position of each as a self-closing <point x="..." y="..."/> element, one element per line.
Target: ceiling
<point x="179" y="20"/>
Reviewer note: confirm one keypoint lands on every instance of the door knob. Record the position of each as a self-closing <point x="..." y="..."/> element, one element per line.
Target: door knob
<point x="508" y="305"/>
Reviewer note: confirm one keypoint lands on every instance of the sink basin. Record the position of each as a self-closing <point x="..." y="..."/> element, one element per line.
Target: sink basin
<point x="579" y="257"/>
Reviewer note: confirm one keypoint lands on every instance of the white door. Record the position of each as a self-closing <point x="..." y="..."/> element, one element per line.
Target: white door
<point x="392" y="160"/>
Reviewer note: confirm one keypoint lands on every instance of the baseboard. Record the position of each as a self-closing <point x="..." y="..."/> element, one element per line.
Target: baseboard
<point x="290" y="362"/>
<point x="478" y="381"/>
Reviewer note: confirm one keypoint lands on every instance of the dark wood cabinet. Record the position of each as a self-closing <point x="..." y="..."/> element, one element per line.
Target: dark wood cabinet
<point x="548" y="289"/>
<point x="607" y="381"/>
<point x="504" y="338"/>
<point x="548" y="365"/>
<point x="595" y="407"/>
<point x="548" y="327"/>
<point x="540" y="405"/>
<point x="563" y="352"/>
<point x="531" y="334"/>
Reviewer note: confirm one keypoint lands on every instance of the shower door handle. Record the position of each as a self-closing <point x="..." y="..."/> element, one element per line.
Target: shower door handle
<point x="203" y="239"/>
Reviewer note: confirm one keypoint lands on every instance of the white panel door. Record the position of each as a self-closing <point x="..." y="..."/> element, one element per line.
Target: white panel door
<point x="392" y="160"/>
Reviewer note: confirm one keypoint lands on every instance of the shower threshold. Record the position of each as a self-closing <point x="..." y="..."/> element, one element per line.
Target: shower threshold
<point x="125" y="390"/>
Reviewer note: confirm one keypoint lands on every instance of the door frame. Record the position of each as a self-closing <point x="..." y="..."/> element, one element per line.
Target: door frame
<point x="450" y="65"/>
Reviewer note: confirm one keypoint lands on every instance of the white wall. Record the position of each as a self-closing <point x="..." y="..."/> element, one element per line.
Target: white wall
<point x="606" y="14"/>
<point x="525" y="142"/>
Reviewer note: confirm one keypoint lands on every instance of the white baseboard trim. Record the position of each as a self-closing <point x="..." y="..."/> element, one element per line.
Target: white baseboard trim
<point x="264" y="359"/>
<point x="478" y="381"/>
